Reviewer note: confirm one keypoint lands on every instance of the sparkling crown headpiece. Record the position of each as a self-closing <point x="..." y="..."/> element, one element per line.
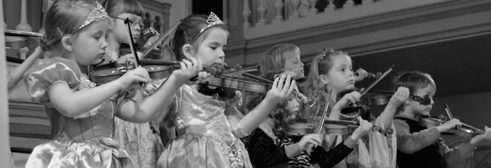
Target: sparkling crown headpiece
<point x="151" y="30"/>
<point x="96" y="14"/>
<point x="212" y="21"/>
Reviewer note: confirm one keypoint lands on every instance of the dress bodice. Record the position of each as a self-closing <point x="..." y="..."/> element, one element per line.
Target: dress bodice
<point x="94" y="124"/>
<point x="201" y="114"/>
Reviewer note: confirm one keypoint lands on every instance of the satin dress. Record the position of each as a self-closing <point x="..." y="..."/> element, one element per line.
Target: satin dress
<point x="84" y="141"/>
<point x="204" y="136"/>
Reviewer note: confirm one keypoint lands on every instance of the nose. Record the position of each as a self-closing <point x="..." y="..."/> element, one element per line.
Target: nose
<point x="104" y="44"/>
<point x="351" y="73"/>
<point x="221" y="55"/>
<point x="432" y="101"/>
<point x="138" y="28"/>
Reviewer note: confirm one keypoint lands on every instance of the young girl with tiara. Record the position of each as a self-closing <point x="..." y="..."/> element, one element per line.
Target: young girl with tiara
<point x="208" y="128"/>
<point x="419" y="145"/>
<point x="141" y="142"/>
<point x="81" y="113"/>
<point x="271" y="145"/>
<point x="332" y="71"/>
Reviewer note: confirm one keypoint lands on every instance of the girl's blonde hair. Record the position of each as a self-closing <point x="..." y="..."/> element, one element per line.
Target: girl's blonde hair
<point x="276" y="57"/>
<point x="314" y="87"/>
<point x="63" y="18"/>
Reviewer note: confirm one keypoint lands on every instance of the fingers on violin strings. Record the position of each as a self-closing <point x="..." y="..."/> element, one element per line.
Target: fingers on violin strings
<point x="275" y="83"/>
<point x="281" y="82"/>
<point x="287" y="83"/>
<point x="292" y="88"/>
<point x="202" y="74"/>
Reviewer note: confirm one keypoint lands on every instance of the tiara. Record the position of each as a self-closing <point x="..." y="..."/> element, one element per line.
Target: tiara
<point x="151" y="30"/>
<point x="96" y="14"/>
<point x="212" y="21"/>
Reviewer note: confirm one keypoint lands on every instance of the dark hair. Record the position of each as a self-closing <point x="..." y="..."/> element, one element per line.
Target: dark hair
<point x="64" y="17"/>
<point x="188" y="29"/>
<point x="117" y="7"/>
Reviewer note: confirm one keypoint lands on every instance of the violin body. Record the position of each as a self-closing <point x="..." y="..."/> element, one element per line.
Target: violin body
<point x="376" y="99"/>
<point x="106" y="73"/>
<point x="158" y="71"/>
<point x="237" y="84"/>
<point x="111" y="71"/>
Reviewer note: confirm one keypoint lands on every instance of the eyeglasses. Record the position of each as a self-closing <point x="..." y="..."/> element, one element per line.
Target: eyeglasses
<point x="426" y="100"/>
<point x="132" y="22"/>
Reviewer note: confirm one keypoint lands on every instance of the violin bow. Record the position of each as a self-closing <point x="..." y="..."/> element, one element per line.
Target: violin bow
<point x="378" y="80"/>
<point x="156" y="42"/>
<point x="131" y="43"/>
<point x="324" y="113"/>
<point x="447" y="109"/>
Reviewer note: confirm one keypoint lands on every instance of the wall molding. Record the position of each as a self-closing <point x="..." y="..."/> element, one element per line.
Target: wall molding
<point x="426" y="23"/>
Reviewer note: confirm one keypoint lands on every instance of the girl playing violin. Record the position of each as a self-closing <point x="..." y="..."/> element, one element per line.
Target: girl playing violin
<point x="332" y="71"/>
<point x="140" y="140"/>
<point x="208" y="128"/>
<point x="119" y="11"/>
<point x="286" y="58"/>
<point x="417" y="145"/>
<point x="271" y="145"/>
<point x="81" y="114"/>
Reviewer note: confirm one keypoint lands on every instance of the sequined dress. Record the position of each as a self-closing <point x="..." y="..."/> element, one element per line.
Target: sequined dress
<point x="83" y="141"/>
<point x="204" y="137"/>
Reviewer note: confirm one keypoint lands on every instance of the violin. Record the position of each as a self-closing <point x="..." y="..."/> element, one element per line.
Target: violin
<point x="101" y="74"/>
<point x="302" y="97"/>
<point x="353" y="110"/>
<point x="157" y="69"/>
<point x="226" y="85"/>
<point x="465" y="130"/>
<point x="337" y="127"/>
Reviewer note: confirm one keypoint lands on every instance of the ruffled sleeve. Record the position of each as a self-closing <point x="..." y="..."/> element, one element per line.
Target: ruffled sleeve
<point x="41" y="77"/>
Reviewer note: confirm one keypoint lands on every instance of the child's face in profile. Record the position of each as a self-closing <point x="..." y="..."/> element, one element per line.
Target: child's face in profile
<point x="294" y="64"/>
<point x="120" y="29"/>
<point x="341" y="77"/>
<point x="90" y="44"/>
<point x="212" y="49"/>
<point x="419" y="109"/>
